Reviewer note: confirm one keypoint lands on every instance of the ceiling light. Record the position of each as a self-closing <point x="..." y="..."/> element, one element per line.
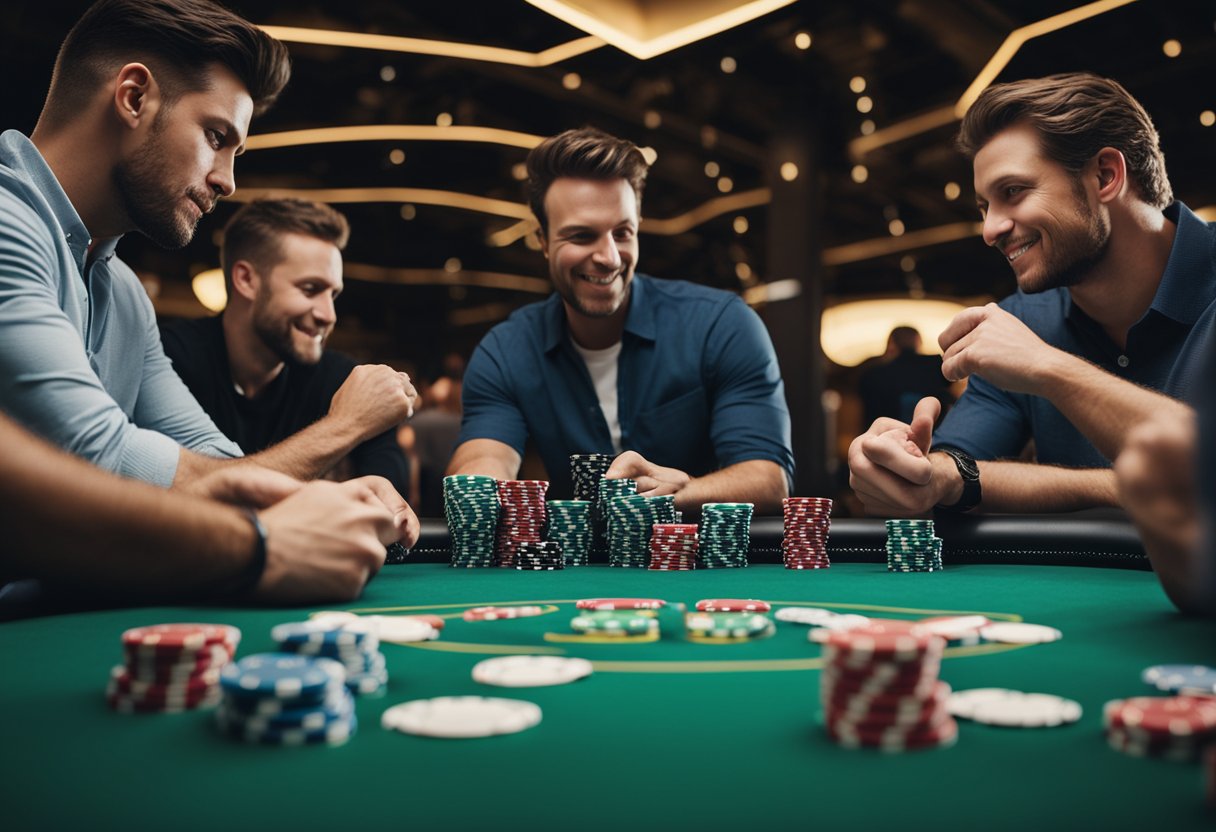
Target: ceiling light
<point x="907" y="263"/>
<point x="396" y="156"/>
<point x="387" y="74"/>
<point x="740" y="224"/>
<point x="789" y="171"/>
<point x="652" y="119"/>
<point x="572" y="81"/>
<point x="854" y="331"/>
<point x="857" y="84"/>
<point x="209" y="288"/>
<point x="1171" y="48"/>
<point x="803" y="40"/>
<point x="743" y="271"/>
<point x="519" y="171"/>
<point x="712" y="169"/>
<point x="452" y="265"/>
<point x="1207" y="118"/>
<point x="408" y="212"/>
<point x="443" y="120"/>
<point x="865" y="104"/>
<point x="726" y="184"/>
<point x="860" y="173"/>
<point x="896" y="227"/>
<point x="729" y="64"/>
<point x="952" y="191"/>
<point x="867" y="127"/>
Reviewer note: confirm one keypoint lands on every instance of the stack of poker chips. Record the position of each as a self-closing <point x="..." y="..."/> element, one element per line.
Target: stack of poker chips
<point x="286" y="699"/>
<point x="586" y="471"/>
<point x="543" y="556"/>
<point x="880" y="687"/>
<point x="170" y="668"/>
<point x="804" y="545"/>
<point x="608" y="490"/>
<point x="521" y="517"/>
<point x="570" y="526"/>
<point x="616" y="623"/>
<point x="735" y="625"/>
<point x="354" y="645"/>
<point x="912" y="547"/>
<point x="470" y="506"/>
<point x="673" y="547"/>
<point x="630" y="520"/>
<point x="725" y="536"/>
<point x="1169" y="727"/>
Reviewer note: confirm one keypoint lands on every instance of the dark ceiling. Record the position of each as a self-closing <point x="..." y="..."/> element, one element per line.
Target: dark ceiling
<point x="916" y="56"/>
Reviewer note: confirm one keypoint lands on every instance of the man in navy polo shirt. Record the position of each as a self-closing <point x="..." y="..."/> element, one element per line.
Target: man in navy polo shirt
<point x="680" y="380"/>
<point x="1116" y="283"/>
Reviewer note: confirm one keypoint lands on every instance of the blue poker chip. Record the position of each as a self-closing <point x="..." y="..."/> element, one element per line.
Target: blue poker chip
<point x="335" y="732"/>
<point x="280" y="676"/>
<point x="309" y="718"/>
<point x="318" y="636"/>
<point x="1181" y="678"/>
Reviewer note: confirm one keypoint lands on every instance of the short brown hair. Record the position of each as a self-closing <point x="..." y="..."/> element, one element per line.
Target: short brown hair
<point x="583" y="153"/>
<point x="1076" y="114"/>
<point x="255" y="231"/>
<point x="177" y="39"/>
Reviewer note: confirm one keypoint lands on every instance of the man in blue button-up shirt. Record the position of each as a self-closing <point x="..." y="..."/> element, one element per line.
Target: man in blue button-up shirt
<point x="1116" y="283"/>
<point x="679" y="379"/>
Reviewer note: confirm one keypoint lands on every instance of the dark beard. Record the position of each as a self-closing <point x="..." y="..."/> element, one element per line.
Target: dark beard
<point x="1076" y="261"/>
<point x="140" y="182"/>
<point x="278" y="341"/>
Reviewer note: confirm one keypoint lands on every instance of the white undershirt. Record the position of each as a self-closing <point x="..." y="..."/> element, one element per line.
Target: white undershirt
<point x="601" y="364"/>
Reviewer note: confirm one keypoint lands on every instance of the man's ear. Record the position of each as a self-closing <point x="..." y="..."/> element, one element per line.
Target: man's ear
<point x="136" y="95"/>
<point x="1112" y="173"/>
<point x="543" y="239"/>
<point x="245" y="279"/>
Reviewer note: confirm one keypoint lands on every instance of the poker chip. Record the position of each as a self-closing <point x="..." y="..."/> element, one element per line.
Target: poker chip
<point x="1169" y="727"/>
<point x="958" y="630"/>
<point x="734" y="625"/>
<point x="673" y="546"/>
<point x="1181" y="678"/>
<point x="501" y="613"/>
<point x="724" y="535"/>
<point x="807" y="521"/>
<point x="355" y="645"/>
<point x="631" y="519"/>
<point x="471" y="509"/>
<point x="171" y="668"/>
<point x="615" y="623"/>
<point x="732" y="605"/>
<point x="461" y="717"/>
<point x="406" y="629"/>
<point x="521" y="518"/>
<point x="530" y="671"/>
<point x="286" y="699"/>
<point x="586" y="472"/>
<point x="912" y="547"/>
<point x="544" y="556"/>
<point x="1012" y="632"/>
<point x="620" y="604"/>
<point x="570" y="528"/>
<point x="1013" y="708"/>
<point x="879" y="688"/>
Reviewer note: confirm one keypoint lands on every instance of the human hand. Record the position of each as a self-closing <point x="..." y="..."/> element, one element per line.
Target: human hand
<point x="652" y="480"/>
<point x="242" y="484"/>
<point x="891" y="469"/>
<point x="408" y="527"/>
<point x="374" y="398"/>
<point x="993" y="343"/>
<point x="324" y="543"/>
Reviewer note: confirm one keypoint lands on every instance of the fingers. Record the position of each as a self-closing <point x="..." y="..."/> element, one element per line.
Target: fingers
<point x="630" y="464"/>
<point x="923" y="420"/>
<point x="411" y="394"/>
<point x="963" y="323"/>
<point x="895" y="452"/>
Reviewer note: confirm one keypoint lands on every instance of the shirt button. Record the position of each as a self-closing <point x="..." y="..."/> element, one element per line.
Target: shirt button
<point x="1123" y="361"/>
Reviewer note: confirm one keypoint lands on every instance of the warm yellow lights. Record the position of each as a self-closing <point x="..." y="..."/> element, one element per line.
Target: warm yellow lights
<point x="396" y="156"/>
<point x="443" y="120"/>
<point x="652" y="119"/>
<point x="726" y="184"/>
<point x="572" y="80"/>
<point x="707" y="211"/>
<point x="209" y="288"/>
<point x="388" y="74"/>
<point x="645" y="29"/>
<point x="907" y="263"/>
<point x="803" y="40"/>
<point x="519" y="171"/>
<point x="743" y="272"/>
<point x="1171" y="48"/>
<point x="712" y="169"/>
<point x="425" y="196"/>
<point x="865" y="104"/>
<point x="896" y="227"/>
<point x="452" y="265"/>
<point x="859" y="173"/>
<point x="393" y="133"/>
<point x="740" y="224"/>
<point x="789" y="171"/>
<point x="857" y="84"/>
<point x="649" y="154"/>
<point x="408" y="212"/>
<point x="728" y="65"/>
<point x="1207" y="118"/>
<point x="778" y="290"/>
<point x="852" y="332"/>
<point x="867" y="127"/>
<point x="447" y="49"/>
<point x="952" y="191"/>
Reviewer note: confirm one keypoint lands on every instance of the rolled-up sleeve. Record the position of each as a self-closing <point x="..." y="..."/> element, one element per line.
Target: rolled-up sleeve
<point x="488" y="400"/>
<point x="749" y="417"/>
<point x="986" y="422"/>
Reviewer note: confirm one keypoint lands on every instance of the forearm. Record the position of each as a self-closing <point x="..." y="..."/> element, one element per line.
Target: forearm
<point x="313" y="451"/>
<point x="1103" y="407"/>
<point x="1029" y="488"/>
<point x="756" y="481"/>
<point x="1186" y="572"/>
<point x="485" y="457"/>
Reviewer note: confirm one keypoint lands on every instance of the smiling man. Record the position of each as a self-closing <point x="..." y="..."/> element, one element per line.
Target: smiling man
<point x="261" y="369"/>
<point x="680" y="380"/>
<point x="1116" y="284"/>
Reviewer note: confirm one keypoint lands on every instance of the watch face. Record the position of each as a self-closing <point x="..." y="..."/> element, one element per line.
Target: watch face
<point x="969" y="469"/>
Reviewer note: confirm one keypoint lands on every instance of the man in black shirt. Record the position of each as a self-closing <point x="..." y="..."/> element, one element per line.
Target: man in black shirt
<point x="893" y="383"/>
<point x="261" y="370"/>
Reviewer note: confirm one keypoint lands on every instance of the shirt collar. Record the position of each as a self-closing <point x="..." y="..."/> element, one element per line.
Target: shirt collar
<point x="1187" y="287"/>
<point x="639" y="321"/>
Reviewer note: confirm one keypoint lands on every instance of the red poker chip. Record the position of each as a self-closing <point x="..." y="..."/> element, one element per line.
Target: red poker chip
<point x="178" y="638"/>
<point x="1163" y="717"/>
<point x="733" y="605"/>
<point x="926" y="719"/>
<point x="127" y="704"/>
<point x="896" y="738"/>
<point x="620" y="604"/>
<point x="124" y="682"/>
<point x="888" y="701"/>
<point x="831" y="685"/>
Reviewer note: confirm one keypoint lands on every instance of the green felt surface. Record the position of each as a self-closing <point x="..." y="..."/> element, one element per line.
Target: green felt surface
<point x="671" y="733"/>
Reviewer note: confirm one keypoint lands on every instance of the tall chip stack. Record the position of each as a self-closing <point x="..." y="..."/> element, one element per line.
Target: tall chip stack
<point x="521" y="517"/>
<point x="170" y="668"/>
<point x="673" y="547"/>
<point x="725" y="536"/>
<point x="586" y="471"/>
<point x="286" y="699"/>
<point x="630" y="521"/>
<point x="880" y="687"/>
<point x="608" y="490"/>
<point x="912" y="546"/>
<point x="570" y="527"/>
<point x="470" y="506"/>
<point x="804" y="544"/>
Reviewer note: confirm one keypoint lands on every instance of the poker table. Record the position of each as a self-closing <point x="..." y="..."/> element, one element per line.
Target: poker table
<point x="666" y="734"/>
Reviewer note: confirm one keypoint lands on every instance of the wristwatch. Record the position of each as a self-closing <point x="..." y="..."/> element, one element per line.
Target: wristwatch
<point x="970" y="472"/>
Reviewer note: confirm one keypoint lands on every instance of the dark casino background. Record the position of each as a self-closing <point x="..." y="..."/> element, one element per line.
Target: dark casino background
<point x="802" y="155"/>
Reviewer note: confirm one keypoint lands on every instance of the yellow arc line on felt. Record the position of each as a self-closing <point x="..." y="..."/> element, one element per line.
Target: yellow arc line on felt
<point x="464" y="647"/>
<point x="576" y="638"/>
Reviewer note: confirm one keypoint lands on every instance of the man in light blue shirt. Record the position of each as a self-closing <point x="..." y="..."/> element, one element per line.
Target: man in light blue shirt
<point x="680" y="380"/>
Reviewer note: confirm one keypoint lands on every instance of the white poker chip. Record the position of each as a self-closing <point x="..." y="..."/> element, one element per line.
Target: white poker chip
<point x="461" y="717"/>
<point x="333" y="618"/>
<point x="954" y="627"/>
<point x="962" y="703"/>
<point x="1028" y="710"/>
<point x="839" y="623"/>
<point x="530" y="671"/>
<point x="1010" y="632"/>
<point x="402" y="629"/>
<point x="814" y="616"/>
